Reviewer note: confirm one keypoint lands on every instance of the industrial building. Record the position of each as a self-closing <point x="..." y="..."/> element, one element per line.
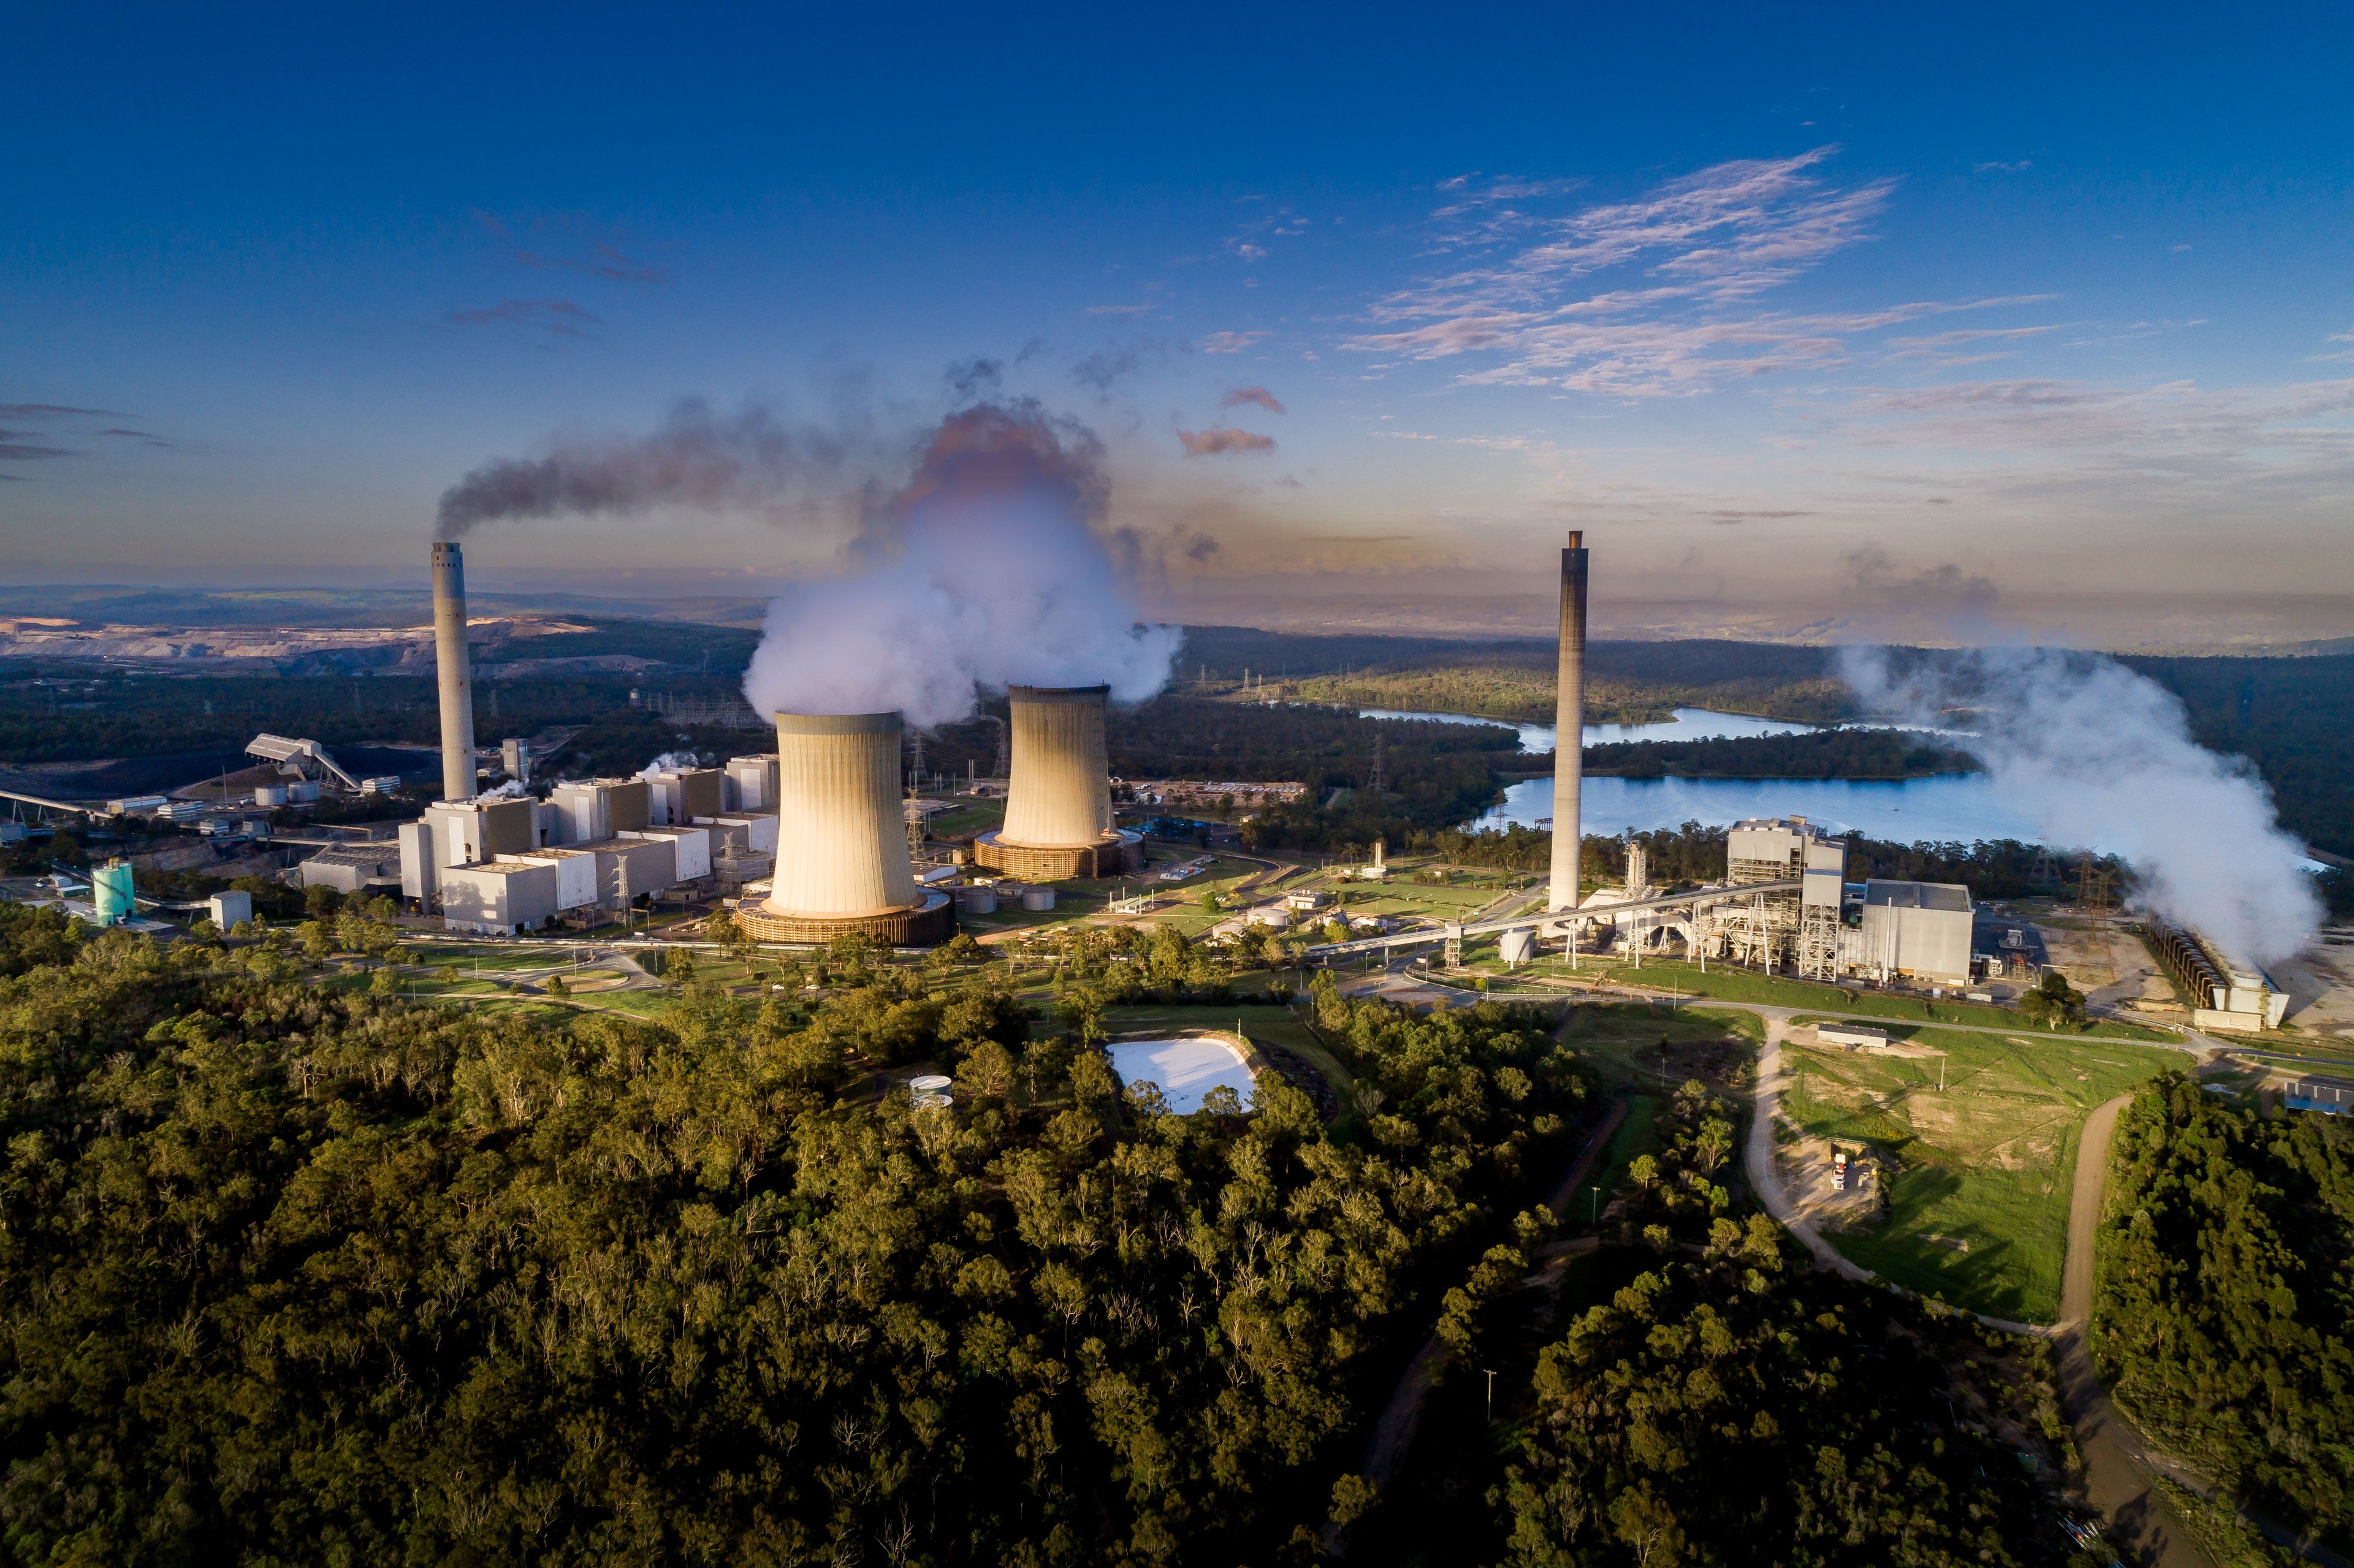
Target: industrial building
<point x="2223" y="990"/>
<point x="842" y="846"/>
<point x="1801" y="929"/>
<point x="2330" y="1096"/>
<point x="356" y="868"/>
<point x="1058" y="822"/>
<point x="751" y="783"/>
<point x="1920" y="930"/>
<point x="501" y="865"/>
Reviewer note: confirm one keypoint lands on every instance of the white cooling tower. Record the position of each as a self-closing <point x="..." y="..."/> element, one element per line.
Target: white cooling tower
<point x="457" y="681"/>
<point x="1060" y="794"/>
<point x="842" y="844"/>
<point x="1058" y="820"/>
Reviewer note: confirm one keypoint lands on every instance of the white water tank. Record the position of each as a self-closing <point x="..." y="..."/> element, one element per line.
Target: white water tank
<point x="1037" y="898"/>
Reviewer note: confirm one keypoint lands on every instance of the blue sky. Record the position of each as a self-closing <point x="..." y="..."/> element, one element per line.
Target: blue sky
<point x="1797" y="307"/>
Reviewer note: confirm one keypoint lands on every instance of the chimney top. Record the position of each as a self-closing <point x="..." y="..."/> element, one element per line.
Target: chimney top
<point x="1577" y="538"/>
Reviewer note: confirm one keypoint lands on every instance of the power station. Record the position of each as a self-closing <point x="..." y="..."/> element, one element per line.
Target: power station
<point x="1058" y="822"/>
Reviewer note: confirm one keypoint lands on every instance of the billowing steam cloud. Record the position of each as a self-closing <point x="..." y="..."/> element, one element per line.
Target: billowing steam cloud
<point x="983" y="570"/>
<point x="987" y="574"/>
<point x="699" y="457"/>
<point x="2099" y="755"/>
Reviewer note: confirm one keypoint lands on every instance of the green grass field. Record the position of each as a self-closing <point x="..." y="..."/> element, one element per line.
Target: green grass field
<point x="1733" y="983"/>
<point x="1986" y="1164"/>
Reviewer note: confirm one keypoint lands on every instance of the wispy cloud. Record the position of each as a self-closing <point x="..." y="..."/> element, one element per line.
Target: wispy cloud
<point x="1231" y="342"/>
<point x="1119" y="310"/>
<point x="561" y="318"/>
<point x="1973" y="346"/>
<point x="1223" y="442"/>
<point x="1113" y="363"/>
<point x="587" y="252"/>
<point x="37" y="410"/>
<point x="2178" y="422"/>
<point x="16" y="448"/>
<point x="1258" y="395"/>
<point x="152" y="439"/>
<point x="2001" y="168"/>
<point x="1686" y="263"/>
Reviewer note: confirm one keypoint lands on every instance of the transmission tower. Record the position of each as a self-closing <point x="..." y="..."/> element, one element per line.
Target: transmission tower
<point x="1374" y="779"/>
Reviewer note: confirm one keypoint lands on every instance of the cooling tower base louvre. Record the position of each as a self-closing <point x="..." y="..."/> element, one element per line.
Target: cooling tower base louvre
<point x="1114" y="855"/>
<point x="926" y="926"/>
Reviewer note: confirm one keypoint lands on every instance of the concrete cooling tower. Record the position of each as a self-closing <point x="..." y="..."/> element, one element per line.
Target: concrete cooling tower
<point x="842" y="844"/>
<point x="456" y="675"/>
<point x="1058" y="801"/>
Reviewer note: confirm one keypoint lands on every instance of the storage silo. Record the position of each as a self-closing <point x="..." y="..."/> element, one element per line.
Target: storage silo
<point x="841" y="850"/>
<point x="112" y="894"/>
<point x="1058" y="822"/>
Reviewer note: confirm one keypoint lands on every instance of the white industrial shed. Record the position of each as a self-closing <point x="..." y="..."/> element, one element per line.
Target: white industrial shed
<point x="1919" y="929"/>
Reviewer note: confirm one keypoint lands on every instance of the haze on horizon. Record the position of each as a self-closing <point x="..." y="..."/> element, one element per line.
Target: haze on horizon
<point x="1863" y="322"/>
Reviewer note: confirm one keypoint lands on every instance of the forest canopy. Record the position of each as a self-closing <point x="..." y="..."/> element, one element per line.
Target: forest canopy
<point x="2224" y="1317"/>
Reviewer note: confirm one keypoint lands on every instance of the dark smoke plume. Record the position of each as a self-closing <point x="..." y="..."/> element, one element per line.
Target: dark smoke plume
<point x="698" y="459"/>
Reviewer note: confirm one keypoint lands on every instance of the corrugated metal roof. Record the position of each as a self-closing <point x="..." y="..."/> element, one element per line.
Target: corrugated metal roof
<point x="1948" y="895"/>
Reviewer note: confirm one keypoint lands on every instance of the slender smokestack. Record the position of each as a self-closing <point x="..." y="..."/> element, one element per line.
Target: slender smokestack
<point x="1569" y="725"/>
<point x="842" y="842"/>
<point x="456" y="675"/>
<point x="1059" y="794"/>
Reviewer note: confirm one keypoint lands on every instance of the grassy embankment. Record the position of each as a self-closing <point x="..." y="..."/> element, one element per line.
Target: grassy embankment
<point x="1733" y="983"/>
<point x="1977" y="1208"/>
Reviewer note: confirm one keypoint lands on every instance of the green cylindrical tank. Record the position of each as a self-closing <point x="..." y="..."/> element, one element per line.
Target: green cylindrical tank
<point x="110" y="888"/>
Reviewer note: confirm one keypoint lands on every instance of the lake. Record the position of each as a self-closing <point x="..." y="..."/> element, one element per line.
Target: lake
<point x="1688" y="724"/>
<point x="1960" y="807"/>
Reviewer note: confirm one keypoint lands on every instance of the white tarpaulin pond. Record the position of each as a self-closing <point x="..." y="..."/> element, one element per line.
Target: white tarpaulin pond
<point x="1185" y="1069"/>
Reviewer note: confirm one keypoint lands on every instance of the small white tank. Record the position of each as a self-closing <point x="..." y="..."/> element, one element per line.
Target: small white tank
<point x="977" y="900"/>
<point x="1037" y="898"/>
<point x="270" y="794"/>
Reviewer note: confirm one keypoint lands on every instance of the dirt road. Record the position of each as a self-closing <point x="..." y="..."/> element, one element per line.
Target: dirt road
<point x="1393" y="1434"/>
<point x="2116" y="1473"/>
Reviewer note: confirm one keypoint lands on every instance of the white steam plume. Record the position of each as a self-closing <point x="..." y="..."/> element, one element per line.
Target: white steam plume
<point x="987" y="575"/>
<point x="2098" y="756"/>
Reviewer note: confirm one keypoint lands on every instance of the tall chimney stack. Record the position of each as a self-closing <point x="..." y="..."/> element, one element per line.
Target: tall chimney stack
<point x="457" y="678"/>
<point x="1569" y="726"/>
